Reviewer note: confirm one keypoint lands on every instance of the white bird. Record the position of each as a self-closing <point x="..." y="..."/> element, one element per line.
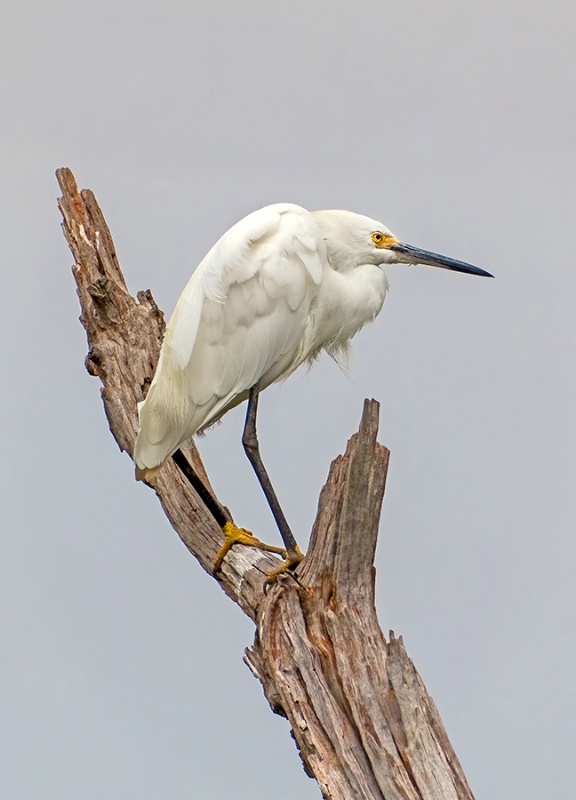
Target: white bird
<point x="277" y="288"/>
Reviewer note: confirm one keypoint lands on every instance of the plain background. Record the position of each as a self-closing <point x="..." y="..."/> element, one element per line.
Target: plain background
<point x="455" y="124"/>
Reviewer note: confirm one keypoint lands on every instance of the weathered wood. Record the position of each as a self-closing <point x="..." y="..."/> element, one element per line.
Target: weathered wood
<point x="364" y="723"/>
<point x="124" y="338"/>
<point x="360" y="714"/>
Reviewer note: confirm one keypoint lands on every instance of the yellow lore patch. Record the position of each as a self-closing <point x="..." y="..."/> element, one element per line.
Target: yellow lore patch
<point x="383" y="240"/>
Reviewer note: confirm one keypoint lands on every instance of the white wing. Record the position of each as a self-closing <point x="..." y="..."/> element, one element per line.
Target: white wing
<point x="244" y="317"/>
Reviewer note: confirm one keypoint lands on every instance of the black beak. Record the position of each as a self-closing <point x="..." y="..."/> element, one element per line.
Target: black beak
<point x="414" y="255"/>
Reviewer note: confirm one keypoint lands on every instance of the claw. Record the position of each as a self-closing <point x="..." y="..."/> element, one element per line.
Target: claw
<point x="234" y="535"/>
<point x="292" y="559"/>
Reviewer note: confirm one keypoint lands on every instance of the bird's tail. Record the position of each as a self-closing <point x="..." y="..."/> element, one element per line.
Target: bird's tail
<point x="145" y="474"/>
<point x="160" y="435"/>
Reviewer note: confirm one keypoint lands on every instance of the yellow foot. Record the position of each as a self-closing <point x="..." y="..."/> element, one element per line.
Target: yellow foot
<point x="293" y="558"/>
<point x="234" y="535"/>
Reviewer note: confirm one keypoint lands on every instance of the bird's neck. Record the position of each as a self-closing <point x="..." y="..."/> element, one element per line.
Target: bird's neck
<point x="347" y="301"/>
<point x="341" y="258"/>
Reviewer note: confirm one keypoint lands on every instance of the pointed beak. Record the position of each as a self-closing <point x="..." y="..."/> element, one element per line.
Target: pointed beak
<point x="414" y="255"/>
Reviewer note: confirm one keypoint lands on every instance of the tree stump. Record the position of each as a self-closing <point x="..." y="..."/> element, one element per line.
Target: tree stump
<point x="363" y="722"/>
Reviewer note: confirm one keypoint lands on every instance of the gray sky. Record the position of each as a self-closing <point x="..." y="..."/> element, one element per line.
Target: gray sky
<point x="455" y="124"/>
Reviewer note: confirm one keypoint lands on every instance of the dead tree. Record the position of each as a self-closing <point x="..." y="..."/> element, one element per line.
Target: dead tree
<point x="363" y="722"/>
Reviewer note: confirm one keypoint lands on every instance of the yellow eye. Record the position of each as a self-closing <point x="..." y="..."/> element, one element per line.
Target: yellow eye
<point x="377" y="237"/>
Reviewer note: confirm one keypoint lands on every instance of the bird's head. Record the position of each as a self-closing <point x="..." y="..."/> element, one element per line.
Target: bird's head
<point x="353" y="239"/>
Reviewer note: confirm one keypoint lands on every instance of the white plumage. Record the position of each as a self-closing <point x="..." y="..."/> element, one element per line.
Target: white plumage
<point x="277" y="288"/>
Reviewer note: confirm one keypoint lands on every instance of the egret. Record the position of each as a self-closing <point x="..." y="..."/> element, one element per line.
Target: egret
<point x="279" y="287"/>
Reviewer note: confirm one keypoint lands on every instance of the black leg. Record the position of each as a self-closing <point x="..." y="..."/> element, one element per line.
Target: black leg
<point x="252" y="450"/>
<point x="232" y="534"/>
<point x="220" y="516"/>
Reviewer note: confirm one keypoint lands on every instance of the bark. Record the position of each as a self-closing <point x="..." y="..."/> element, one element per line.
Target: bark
<point x="362" y="720"/>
